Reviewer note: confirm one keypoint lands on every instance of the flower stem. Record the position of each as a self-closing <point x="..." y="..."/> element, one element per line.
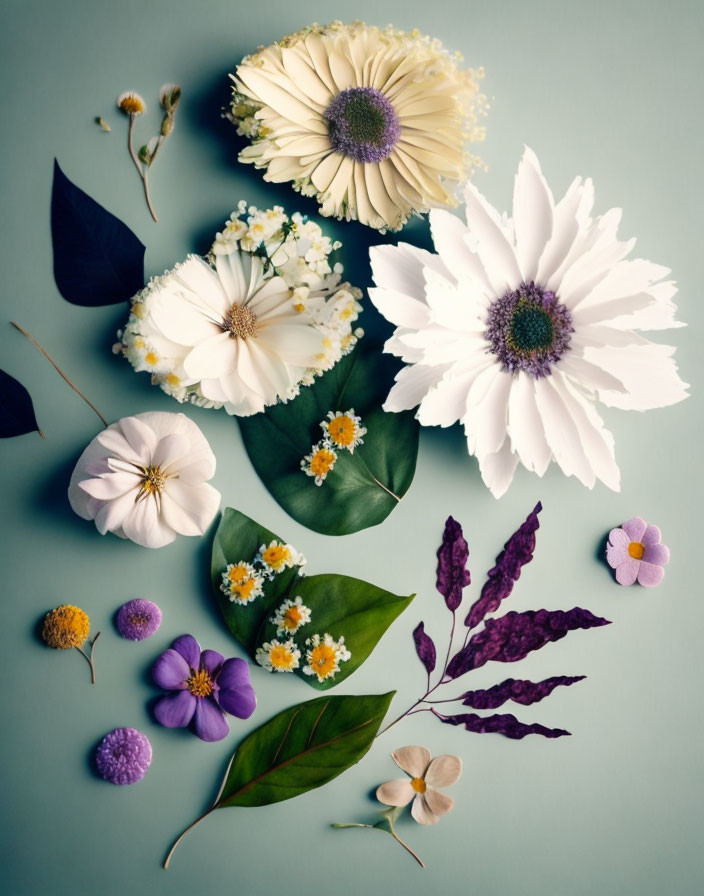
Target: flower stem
<point x="391" y="831"/>
<point x="89" y="657"/>
<point x="147" y="196"/>
<point x="59" y="371"/>
<point x="140" y="168"/>
<point x="190" y="827"/>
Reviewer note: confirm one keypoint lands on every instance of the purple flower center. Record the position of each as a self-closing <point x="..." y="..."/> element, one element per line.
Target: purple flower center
<point x="529" y="329"/>
<point x="363" y="124"/>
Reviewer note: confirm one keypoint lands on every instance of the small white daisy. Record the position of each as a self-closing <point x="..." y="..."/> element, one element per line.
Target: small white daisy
<point x="291" y="615"/>
<point x="324" y="655"/>
<point x="276" y="656"/>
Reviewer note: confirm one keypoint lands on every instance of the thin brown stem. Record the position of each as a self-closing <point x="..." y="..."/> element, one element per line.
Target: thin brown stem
<point x="130" y="146"/>
<point x="190" y="827"/>
<point x="60" y="372"/>
<point x="402" y="716"/>
<point x="407" y="848"/>
<point x="89" y="657"/>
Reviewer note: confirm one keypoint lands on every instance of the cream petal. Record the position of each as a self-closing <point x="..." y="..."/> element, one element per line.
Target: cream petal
<point x="182" y="322"/>
<point x="525" y="426"/>
<point x="229" y="268"/>
<point x="379" y="196"/>
<point x="340" y="186"/>
<point x="532" y="214"/>
<point x="365" y="210"/>
<point x="298" y="345"/>
<point x="421" y="811"/>
<point x="325" y="171"/>
<point x="202" y="285"/>
<point x="497" y="469"/>
<point x="281" y="94"/>
<point x="438" y="803"/>
<point x="341" y="70"/>
<point x="269" y="297"/>
<point x="411" y="385"/>
<point x="395" y="793"/>
<point x="305" y="77"/>
<point x="215" y="357"/>
<point x="318" y="51"/>
<point x="412" y="760"/>
<point x="443" y="771"/>
<point x="561" y="433"/>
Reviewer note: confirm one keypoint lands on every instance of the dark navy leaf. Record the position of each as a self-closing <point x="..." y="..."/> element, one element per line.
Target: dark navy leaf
<point x="97" y="258"/>
<point x="452" y="573"/>
<point x="517" y="551"/>
<point x="425" y="648"/>
<point x="515" y="635"/>
<point x="16" y="409"/>
<point x="505" y="724"/>
<point x="518" y="691"/>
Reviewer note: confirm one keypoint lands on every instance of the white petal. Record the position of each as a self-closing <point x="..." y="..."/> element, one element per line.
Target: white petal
<point x="401" y="268"/>
<point x="269" y="297"/>
<point x="525" y="426"/>
<point x="293" y="343"/>
<point x="395" y="793"/>
<point x="411" y="384"/>
<point x="229" y="268"/>
<point x="182" y="322"/>
<point x="443" y="771"/>
<point x="170" y="450"/>
<point x="413" y="760"/>
<point x="114" y="444"/>
<point x="202" y="285"/>
<point x="487" y="410"/>
<point x="598" y="443"/>
<point x="438" y="803"/>
<point x="112" y="514"/>
<point x="648" y="372"/>
<point x="421" y="811"/>
<point x="280" y="96"/>
<point x="449" y="237"/>
<point x="305" y="77"/>
<point x="190" y="508"/>
<point x="570" y="218"/>
<point x="400" y="309"/>
<point x="492" y="246"/>
<point x="532" y="214"/>
<point x="447" y="402"/>
<point x="497" y="469"/>
<point x="561" y="433"/>
<point x="143" y="525"/>
<point x="110" y="486"/>
<point x="215" y="357"/>
<point x="586" y="374"/>
<point x="140" y="437"/>
<point x="460" y="308"/>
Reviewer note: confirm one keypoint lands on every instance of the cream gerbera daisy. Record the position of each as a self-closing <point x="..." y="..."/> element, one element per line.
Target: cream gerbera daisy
<point x="372" y="122"/>
<point x="518" y="325"/>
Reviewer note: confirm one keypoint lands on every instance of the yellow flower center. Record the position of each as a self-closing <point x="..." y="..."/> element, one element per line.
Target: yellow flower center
<point x="152" y="482"/>
<point x="276" y="556"/>
<point x="240" y="321"/>
<point x="200" y="684"/>
<point x="322" y="660"/>
<point x="172" y="379"/>
<point x="238" y="573"/>
<point x="151" y="358"/>
<point x="322" y="462"/>
<point x="131" y="105"/>
<point x="292" y="617"/>
<point x="418" y="784"/>
<point x="281" y="657"/>
<point x="66" y="626"/>
<point x="636" y="550"/>
<point x="243" y="591"/>
<point x="342" y="430"/>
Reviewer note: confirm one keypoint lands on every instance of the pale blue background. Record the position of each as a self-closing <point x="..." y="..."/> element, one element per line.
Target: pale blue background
<point x="611" y="90"/>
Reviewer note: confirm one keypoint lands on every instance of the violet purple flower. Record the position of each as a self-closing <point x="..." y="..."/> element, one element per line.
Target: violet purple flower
<point x="635" y="553"/>
<point x="138" y="619"/>
<point x="205" y="686"/>
<point x="123" y="756"/>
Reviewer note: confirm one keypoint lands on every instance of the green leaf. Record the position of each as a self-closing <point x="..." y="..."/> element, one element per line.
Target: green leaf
<point x="339" y="605"/>
<point x="364" y="487"/>
<point x="302" y="748"/>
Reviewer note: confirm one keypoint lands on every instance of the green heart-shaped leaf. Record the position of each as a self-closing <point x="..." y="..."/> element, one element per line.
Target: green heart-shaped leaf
<point x="363" y="487"/>
<point x="340" y="606"/>
<point x="302" y="748"/>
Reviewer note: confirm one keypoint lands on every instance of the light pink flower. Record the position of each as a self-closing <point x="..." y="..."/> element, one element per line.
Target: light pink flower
<point x="635" y="553"/>
<point x="426" y="774"/>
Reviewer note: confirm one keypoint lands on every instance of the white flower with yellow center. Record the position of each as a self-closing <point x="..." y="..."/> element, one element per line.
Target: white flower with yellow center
<point x="320" y="462"/>
<point x="324" y="655"/>
<point x="517" y="326"/>
<point x="276" y="656"/>
<point x="290" y="616"/>
<point x="145" y="478"/>
<point x="373" y="122"/>
<point x="242" y="583"/>
<point x="275" y="557"/>
<point x="344" y="430"/>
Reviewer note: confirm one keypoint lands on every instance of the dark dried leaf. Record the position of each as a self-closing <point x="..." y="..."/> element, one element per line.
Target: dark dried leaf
<point x="517" y="690"/>
<point x="515" y="635"/>
<point x="16" y="409"/>
<point x="97" y="258"/>
<point x="425" y="648"/>
<point x="504" y="723"/>
<point x="452" y="573"/>
<point x="517" y="551"/>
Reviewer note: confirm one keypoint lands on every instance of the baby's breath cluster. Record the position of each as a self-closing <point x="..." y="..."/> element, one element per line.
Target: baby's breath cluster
<point x="290" y="247"/>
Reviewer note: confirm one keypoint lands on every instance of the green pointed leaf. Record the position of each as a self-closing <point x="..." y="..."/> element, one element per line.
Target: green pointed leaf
<point x="340" y="605"/>
<point x="364" y="487"/>
<point x="302" y="748"/>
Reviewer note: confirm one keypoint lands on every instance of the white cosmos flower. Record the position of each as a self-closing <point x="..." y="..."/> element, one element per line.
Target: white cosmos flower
<point x="518" y="325"/>
<point x="373" y="122"/>
<point x="145" y="478"/>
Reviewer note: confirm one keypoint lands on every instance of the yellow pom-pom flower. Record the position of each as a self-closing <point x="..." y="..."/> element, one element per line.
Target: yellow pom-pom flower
<point x="66" y="626"/>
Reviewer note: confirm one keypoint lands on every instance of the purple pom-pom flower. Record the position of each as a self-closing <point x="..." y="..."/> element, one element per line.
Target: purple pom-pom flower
<point x="636" y="553"/>
<point x="123" y="756"/>
<point x="138" y="619"/>
<point x="204" y="687"/>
